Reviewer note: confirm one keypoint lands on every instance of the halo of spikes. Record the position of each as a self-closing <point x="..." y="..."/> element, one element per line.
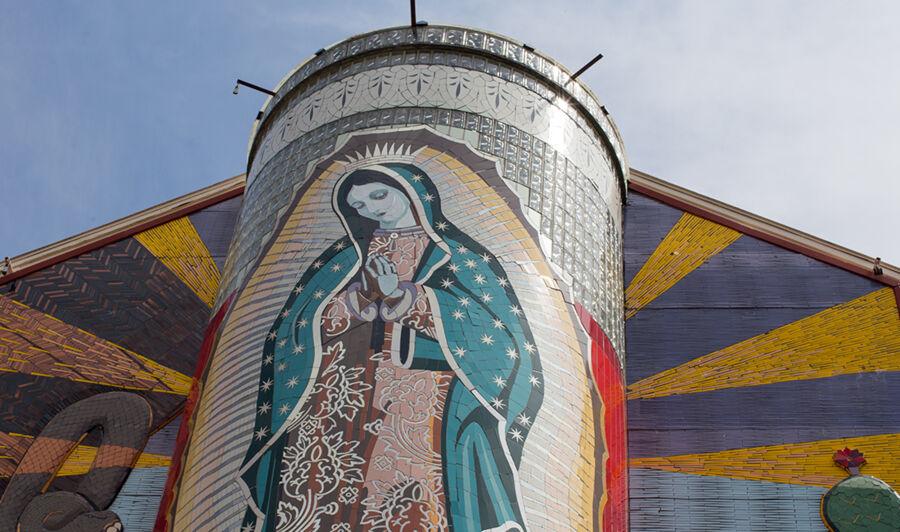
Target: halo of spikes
<point x="380" y="153"/>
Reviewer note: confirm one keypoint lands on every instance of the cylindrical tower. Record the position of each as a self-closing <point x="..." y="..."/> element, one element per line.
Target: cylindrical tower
<point x="420" y="323"/>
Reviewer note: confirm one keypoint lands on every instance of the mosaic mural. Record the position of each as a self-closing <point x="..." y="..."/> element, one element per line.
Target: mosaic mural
<point x="749" y="366"/>
<point x="97" y="351"/>
<point x="432" y="348"/>
<point x="412" y="360"/>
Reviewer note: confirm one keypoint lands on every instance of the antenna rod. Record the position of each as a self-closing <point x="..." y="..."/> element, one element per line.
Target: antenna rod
<point x="587" y="66"/>
<point x="412" y="14"/>
<point x="252" y="86"/>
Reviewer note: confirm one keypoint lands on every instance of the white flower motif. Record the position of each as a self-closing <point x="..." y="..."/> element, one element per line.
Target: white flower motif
<point x="317" y="264"/>
<point x="464" y="301"/>
<point x="441" y="226"/>
<point x="282" y="342"/>
<point x="523" y="420"/>
<point x="479" y="278"/>
<point x="318" y="294"/>
<point x="261" y="433"/>
<point x="272" y="335"/>
<point x="529" y="347"/>
<point x="486" y="339"/>
<point x="498" y="324"/>
<point x="486" y="258"/>
<point x="284" y="409"/>
<point x="374" y="427"/>
<point x="285" y="314"/>
<point x="511" y="353"/>
<point x="298" y="288"/>
<point x="266" y="385"/>
<point x="282" y="366"/>
<point x="515" y="310"/>
<point x="348" y="496"/>
<point x="264" y="408"/>
<point x="417" y="178"/>
<point x="499" y="381"/>
<point x="299" y="348"/>
<point x="487" y="298"/>
<point x="302" y="323"/>
<point x="457" y="314"/>
<point x="336" y="267"/>
<point x="534" y="381"/>
<point x="293" y="381"/>
<point x="427" y="197"/>
<point x="503" y="281"/>
<point x="516" y="434"/>
<point x="497" y="403"/>
<point x="470" y="263"/>
<point x="446" y="283"/>
<point x="340" y="245"/>
<point x="453" y="267"/>
<point x="459" y="351"/>
<point x="462" y="249"/>
<point x="249" y="527"/>
<point x="268" y="360"/>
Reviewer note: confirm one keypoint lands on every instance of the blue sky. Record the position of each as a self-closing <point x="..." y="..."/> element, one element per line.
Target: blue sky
<point x="787" y="109"/>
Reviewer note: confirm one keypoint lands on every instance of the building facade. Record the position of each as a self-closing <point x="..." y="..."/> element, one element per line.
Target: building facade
<point x="412" y="313"/>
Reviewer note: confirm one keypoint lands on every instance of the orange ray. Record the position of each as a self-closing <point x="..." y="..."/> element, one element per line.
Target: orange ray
<point x="38" y="344"/>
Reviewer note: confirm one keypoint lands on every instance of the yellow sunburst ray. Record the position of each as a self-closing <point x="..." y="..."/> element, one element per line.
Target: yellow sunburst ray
<point x="807" y="463"/>
<point x="690" y="243"/>
<point x="178" y="245"/>
<point x="859" y="336"/>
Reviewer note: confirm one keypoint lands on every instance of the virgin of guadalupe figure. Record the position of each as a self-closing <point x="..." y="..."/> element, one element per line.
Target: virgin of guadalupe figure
<point x="400" y="379"/>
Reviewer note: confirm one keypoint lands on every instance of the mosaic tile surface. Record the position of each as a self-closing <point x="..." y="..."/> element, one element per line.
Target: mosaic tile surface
<point x="437" y="362"/>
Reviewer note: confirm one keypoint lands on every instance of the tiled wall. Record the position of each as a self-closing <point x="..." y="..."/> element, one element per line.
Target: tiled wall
<point x="103" y="346"/>
<point x="749" y="365"/>
<point x="521" y="165"/>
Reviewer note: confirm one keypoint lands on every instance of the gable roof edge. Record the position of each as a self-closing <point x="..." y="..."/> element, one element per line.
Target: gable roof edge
<point x="125" y="227"/>
<point x="763" y="228"/>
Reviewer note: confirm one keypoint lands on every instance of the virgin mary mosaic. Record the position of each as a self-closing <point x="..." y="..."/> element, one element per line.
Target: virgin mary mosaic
<point x="399" y="380"/>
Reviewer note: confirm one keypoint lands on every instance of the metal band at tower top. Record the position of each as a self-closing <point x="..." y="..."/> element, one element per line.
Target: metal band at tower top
<point x="515" y="60"/>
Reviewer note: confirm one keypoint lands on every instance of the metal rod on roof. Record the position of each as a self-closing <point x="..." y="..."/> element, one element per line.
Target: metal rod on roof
<point x="412" y="14"/>
<point x="252" y="86"/>
<point x="587" y="66"/>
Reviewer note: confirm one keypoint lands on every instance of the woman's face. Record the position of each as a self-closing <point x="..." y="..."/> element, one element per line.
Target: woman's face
<point x="382" y="203"/>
